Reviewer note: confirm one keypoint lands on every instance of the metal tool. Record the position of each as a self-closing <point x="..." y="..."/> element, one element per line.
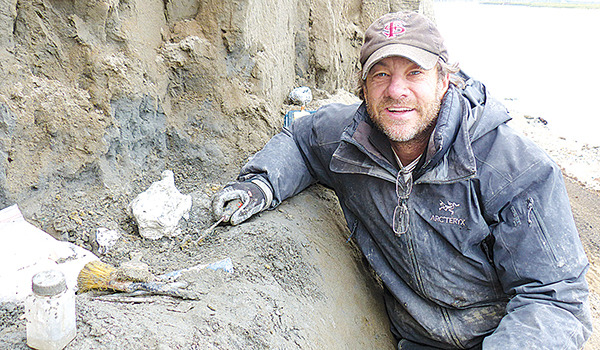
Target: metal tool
<point x="230" y="208"/>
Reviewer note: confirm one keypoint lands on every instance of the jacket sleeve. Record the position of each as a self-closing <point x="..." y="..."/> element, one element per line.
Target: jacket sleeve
<point x="298" y="157"/>
<point x="281" y="165"/>
<point x="541" y="263"/>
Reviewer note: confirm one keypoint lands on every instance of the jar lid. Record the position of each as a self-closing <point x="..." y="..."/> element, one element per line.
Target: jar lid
<point x="48" y="283"/>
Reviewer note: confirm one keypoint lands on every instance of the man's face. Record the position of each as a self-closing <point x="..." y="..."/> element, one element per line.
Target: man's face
<point x="403" y="99"/>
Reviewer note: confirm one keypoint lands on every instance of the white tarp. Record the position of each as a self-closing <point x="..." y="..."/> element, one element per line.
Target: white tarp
<point x="26" y="250"/>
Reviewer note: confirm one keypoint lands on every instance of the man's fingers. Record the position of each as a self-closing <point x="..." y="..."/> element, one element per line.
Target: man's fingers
<point x="223" y="198"/>
<point x="240" y="215"/>
<point x="238" y="202"/>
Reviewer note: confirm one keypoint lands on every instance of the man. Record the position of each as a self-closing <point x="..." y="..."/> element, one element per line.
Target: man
<point x="467" y="223"/>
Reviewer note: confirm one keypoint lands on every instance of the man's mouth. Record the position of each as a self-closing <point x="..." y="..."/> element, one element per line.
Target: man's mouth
<point x="399" y="109"/>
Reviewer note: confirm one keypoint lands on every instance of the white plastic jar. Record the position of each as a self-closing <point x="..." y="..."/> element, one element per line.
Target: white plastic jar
<point x="50" y="312"/>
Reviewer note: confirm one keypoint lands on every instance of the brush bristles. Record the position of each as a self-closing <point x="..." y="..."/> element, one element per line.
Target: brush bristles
<point x="95" y="275"/>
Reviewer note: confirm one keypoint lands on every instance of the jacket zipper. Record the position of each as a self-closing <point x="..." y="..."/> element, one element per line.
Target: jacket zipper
<point x="415" y="263"/>
<point x="451" y="334"/>
<point x="450" y="329"/>
<point x="420" y="285"/>
<point x="532" y="214"/>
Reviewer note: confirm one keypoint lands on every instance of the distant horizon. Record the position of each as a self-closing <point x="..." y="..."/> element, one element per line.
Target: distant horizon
<point x="589" y="4"/>
<point x="531" y="1"/>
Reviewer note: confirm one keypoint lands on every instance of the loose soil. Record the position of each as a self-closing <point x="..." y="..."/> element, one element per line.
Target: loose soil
<point x="278" y="296"/>
<point x="585" y="204"/>
<point x="295" y="277"/>
<point x="297" y="283"/>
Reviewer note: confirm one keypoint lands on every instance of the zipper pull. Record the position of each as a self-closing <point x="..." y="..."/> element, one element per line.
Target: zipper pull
<point x="529" y="210"/>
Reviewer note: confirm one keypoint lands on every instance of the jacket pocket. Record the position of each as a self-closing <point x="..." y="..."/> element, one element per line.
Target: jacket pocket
<point x="535" y="219"/>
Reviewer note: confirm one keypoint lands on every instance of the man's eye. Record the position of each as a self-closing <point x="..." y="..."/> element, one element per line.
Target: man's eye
<point x="415" y="72"/>
<point x="380" y="74"/>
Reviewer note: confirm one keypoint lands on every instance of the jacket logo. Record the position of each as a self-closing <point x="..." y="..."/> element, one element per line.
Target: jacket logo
<point x="393" y="29"/>
<point x="448" y="207"/>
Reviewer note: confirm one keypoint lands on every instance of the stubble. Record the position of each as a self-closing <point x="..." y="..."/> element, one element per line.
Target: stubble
<point x="407" y="131"/>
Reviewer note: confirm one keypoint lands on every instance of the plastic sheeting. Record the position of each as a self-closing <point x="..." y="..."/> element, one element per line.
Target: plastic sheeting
<point x="26" y="250"/>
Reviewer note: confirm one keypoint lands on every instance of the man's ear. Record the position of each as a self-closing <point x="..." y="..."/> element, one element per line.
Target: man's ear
<point x="445" y="82"/>
<point x="363" y="90"/>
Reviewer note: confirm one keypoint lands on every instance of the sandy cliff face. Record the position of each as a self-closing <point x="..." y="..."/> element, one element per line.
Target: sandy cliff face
<point x="100" y="96"/>
<point x="97" y="98"/>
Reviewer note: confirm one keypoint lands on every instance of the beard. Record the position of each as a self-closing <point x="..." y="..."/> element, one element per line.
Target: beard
<point x="412" y="130"/>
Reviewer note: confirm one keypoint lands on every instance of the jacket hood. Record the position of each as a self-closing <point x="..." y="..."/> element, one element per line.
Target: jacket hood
<point x="465" y="115"/>
<point x="487" y="113"/>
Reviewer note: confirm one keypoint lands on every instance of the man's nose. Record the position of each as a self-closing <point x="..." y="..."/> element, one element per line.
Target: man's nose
<point x="398" y="87"/>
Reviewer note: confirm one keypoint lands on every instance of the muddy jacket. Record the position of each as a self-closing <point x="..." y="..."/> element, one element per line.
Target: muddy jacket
<point x="492" y="258"/>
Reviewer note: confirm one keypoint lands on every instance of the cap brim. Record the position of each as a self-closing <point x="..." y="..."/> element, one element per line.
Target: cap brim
<point x="423" y="58"/>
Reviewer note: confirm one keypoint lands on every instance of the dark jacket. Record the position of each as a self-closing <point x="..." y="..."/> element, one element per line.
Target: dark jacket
<point x="492" y="257"/>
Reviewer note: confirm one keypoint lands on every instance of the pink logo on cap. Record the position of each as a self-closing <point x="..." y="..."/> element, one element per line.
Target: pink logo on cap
<point x="393" y="29"/>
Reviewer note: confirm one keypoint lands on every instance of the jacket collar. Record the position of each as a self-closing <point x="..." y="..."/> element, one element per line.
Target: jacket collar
<point x="364" y="149"/>
<point x="448" y="158"/>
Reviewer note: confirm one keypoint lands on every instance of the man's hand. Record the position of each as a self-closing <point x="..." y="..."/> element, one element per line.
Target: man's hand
<point x="250" y="193"/>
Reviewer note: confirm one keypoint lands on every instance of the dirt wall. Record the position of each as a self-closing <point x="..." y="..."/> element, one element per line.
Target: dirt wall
<point x="104" y="95"/>
<point x="97" y="98"/>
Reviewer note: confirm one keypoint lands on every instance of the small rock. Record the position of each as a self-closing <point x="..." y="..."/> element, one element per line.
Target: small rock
<point x="301" y="95"/>
<point x="159" y="209"/>
<point x="106" y="239"/>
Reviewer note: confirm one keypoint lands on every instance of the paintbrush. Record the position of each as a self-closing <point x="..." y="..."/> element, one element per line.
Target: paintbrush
<point x="100" y="276"/>
<point x="95" y="275"/>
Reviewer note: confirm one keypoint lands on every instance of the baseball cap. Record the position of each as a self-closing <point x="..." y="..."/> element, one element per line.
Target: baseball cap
<point x="406" y="34"/>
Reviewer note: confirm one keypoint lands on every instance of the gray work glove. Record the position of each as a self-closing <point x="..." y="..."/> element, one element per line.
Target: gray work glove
<point x="254" y="196"/>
